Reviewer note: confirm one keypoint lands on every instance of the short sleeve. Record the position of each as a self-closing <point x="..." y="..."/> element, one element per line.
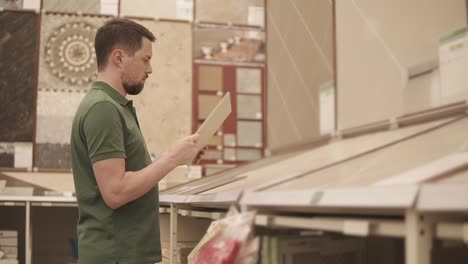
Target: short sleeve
<point x="103" y="130"/>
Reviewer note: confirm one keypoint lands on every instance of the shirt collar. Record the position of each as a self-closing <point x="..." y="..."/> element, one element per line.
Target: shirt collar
<point x="111" y="92"/>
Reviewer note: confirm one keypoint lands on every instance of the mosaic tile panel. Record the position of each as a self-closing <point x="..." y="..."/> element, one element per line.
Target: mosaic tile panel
<point x="67" y="58"/>
<point x="165" y="106"/>
<point x="84" y="6"/>
<point x="18" y="36"/>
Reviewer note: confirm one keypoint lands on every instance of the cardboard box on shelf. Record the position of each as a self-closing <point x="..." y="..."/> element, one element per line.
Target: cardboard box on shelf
<point x="453" y="62"/>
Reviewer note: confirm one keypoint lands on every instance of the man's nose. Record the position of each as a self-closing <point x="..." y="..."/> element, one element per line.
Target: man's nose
<point x="149" y="69"/>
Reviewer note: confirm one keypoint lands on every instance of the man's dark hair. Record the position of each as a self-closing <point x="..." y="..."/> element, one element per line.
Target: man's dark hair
<point x="119" y="33"/>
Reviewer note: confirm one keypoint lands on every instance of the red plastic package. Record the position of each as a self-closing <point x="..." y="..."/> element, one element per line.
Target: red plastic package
<point x="222" y="251"/>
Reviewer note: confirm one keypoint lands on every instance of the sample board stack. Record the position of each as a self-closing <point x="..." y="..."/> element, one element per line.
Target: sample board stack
<point x="8" y="247"/>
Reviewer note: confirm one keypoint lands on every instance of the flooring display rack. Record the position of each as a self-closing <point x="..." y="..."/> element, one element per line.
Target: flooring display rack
<point x="404" y="178"/>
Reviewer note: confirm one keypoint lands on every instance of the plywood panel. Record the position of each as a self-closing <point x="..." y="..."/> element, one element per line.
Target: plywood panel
<point x="165" y="106"/>
<point x="324" y="156"/>
<point x="389" y="161"/>
<point x="18" y="62"/>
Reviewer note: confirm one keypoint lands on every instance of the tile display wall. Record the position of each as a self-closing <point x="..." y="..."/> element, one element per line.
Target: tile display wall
<point x="241" y="138"/>
<point x="18" y="38"/>
<point x="67" y="69"/>
<point x="165" y="105"/>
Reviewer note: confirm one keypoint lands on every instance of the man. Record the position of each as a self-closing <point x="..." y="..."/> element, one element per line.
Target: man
<point x="115" y="179"/>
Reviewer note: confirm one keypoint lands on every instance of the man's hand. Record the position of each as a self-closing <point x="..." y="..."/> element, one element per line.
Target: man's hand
<point x="184" y="151"/>
<point x="199" y="155"/>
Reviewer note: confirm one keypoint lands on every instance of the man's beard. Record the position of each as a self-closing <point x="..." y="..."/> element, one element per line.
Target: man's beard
<point x="133" y="89"/>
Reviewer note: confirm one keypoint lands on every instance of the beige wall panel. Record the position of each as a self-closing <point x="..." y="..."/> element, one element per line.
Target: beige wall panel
<point x="299" y="61"/>
<point x="235" y="11"/>
<point x="165" y="106"/>
<point x="312" y="12"/>
<point x="412" y="29"/>
<point x="281" y="128"/>
<point x="369" y="78"/>
<point x="149" y="8"/>
<point x="378" y="39"/>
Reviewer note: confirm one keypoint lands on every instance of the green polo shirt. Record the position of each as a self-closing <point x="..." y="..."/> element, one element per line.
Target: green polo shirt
<point x="106" y="126"/>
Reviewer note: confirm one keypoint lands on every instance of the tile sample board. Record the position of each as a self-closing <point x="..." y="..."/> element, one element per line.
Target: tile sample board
<point x="18" y="49"/>
<point x="164" y="107"/>
<point x="67" y="69"/>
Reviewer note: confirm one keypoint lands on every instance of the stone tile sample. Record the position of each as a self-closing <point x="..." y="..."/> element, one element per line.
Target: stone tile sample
<point x="249" y="80"/>
<point x="249" y="134"/>
<point x="49" y="155"/>
<point x="164" y="107"/>
<point x="249" y="106"/>
<point x="84" y="6"/>
<point x="18" y="36"/>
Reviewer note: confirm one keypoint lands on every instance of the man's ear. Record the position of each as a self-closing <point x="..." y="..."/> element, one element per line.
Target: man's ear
<point x="117" y="57"/>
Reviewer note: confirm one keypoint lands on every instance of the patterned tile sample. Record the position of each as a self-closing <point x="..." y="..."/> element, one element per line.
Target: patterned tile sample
<point x="164" y="107"/>
<point x="84" y="6"/>
<point x="67" y="59"/>
<point x="18" y="36"/>
<point x="49" y="155"/>
<point x="67" y="69"/>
